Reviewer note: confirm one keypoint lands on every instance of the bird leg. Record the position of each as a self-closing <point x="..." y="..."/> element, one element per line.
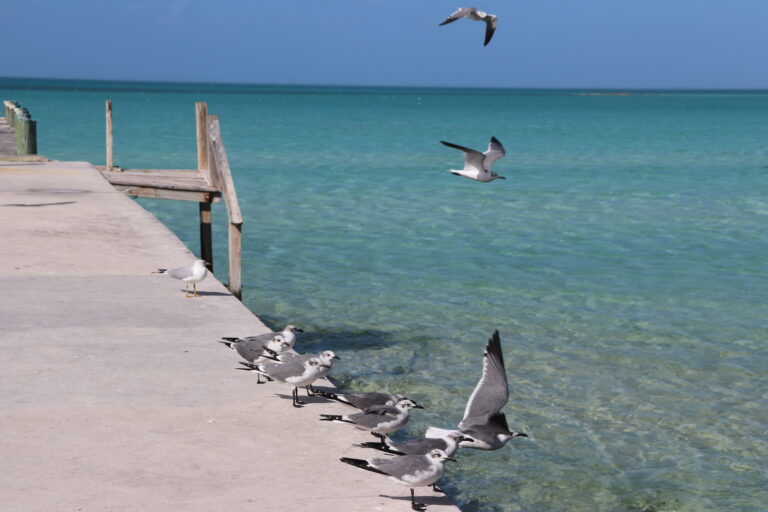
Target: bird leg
<point x="186" y="290"/>
<point x="296" y="402"/>
<point x="194" y="287"/>
<point x="416" y="506"/>
<point x="310" y="390"/>
<point x="437" y="489"/>
<point x="382" y="439"/>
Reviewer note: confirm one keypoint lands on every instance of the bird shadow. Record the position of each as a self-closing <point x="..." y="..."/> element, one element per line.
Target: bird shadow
<point x="307" y="399"/>
<point x="426" y="500"/>
<point x="210" y="294"/>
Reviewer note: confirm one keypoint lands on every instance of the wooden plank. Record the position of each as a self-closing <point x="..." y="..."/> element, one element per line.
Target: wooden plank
<point x="206" y="238"/>
<point x="220" y="166"/>
<point x="180" y="195"/>
<point x="159" y="183"/>
<point x="201" y="128"/>
<point x="110" y="162"/>
<point x="169" y="173"/>
<point x="235" y="260"/>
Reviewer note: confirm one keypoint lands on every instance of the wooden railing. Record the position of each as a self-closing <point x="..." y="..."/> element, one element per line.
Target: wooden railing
<point x="24" y="127"/>
<point x="205" y="185"/>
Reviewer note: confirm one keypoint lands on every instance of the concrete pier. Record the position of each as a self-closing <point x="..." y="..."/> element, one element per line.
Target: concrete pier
<point x="116" y="395"/>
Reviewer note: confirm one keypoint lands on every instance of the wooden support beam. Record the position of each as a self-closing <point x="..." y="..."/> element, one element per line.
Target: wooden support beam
<point x="156" y="193"/>
<point x="235" y="260"/>
<point x="206" y="236"/>
<point x="110" y="161"/>
<point x="201" y="125"/>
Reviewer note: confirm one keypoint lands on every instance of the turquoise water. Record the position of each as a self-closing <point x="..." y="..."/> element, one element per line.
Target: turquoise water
<point x="623" y="261"/>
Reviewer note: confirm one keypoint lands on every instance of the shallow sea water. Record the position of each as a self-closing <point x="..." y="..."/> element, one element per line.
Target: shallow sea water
<point x="623" y="261"/>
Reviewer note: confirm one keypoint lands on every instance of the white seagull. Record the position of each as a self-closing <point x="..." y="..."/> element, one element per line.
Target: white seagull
<point x="296" y="373"/>
<point x="408" y="470"/>
<point x="189" y="274"/>
<point x="477" y="165"/>
<point x="378" y="419"/>
<point x="473" y="13"/>
<point x="484" y="423"/>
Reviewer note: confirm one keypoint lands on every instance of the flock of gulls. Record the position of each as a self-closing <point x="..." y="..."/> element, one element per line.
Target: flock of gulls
<point x="415" y="462"/>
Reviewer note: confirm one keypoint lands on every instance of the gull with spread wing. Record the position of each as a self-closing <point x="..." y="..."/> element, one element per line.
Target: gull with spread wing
<point x="477" y="165"/>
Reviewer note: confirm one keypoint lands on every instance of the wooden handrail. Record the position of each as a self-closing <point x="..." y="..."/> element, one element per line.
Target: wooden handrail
<point x="221" y="173"/>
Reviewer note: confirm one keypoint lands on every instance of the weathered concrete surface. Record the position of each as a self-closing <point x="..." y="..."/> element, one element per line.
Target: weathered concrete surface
<point x="115" y="395"/>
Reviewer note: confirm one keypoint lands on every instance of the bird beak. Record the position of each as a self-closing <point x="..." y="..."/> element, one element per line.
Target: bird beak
<point x="337" y="357"/>
<point x="296" y="329"/>
<point x="417" y="406"/>
<point x="519" y="434"/>
<point x="502" y="178"/>
<point x="324" y="365"/>
<point x="450" y="459"/>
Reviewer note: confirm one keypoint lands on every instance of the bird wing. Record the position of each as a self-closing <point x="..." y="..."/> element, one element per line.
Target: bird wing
<point x="494" y="152"/>
<point x="180" y="272"/>
<point x="460" y="13"/>
<point x="473" y="160"/>
<point x="402" y="466"/>
<point x="490" y="28"/>
<point x="492" y="391"/>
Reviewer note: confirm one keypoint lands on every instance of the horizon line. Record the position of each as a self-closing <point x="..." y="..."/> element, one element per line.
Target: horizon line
<point x="401" y="86"/>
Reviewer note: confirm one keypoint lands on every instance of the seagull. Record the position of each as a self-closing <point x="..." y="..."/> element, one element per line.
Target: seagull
<point x="258" y="349"/>
<point x="364" y="400"/>
<point x="189" y="274"/>
<point x="327" y="357"/>
<point x="378" y="419"/>
<point x="477" y="165"/>
<point x="408" y="470"/>
<point x="296" y="373"/>
<point x="483" y="421"/>
<point x="449" y="443"/>
<point x="474" y="14"/>
<point x="288" y="334"/>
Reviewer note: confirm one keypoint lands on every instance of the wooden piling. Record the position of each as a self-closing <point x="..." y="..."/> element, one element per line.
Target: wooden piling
<point x="206" y="234"/>
<point x="110" y="162"/>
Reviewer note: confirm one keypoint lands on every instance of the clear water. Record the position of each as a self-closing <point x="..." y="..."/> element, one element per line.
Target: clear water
<point x="623" y="260"/>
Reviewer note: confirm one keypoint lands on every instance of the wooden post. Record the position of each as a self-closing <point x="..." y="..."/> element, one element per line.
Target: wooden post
<point x="235" y="258"/>
<point x="201" y="123"/>
<point x="206" y="235"/>
<point x="220" y="168"/>
<point x="26" y="134"/>
<point x="110" y="162"/>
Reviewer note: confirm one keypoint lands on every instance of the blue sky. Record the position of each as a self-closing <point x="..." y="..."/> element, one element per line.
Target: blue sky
<point x="539" y="43"/>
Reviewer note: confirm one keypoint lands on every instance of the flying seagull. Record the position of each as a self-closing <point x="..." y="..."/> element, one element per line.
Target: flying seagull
<point x="378" y="419"/>
<point x="474" y="14"/>
<point x="408" y="470"/>
<point x="189" y="274"/>
<point x="483" y="421"/>
<point x="477" y="165"/>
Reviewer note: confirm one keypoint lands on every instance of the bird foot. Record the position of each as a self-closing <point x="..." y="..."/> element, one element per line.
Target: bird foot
<point x="437" y="489"/>
<point x="419" y="506"/>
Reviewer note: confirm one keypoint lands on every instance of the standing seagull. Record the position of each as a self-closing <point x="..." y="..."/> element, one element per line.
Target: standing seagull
<point x="474" y="14"/>
<point x="363" y="401"/>
<point x="477" y="165"/>
<point x="483" y="420"/>
<point x="296" y="373"/>
<point x="378" y="419"/>
<point x="449" y="443"/>
<point x="258" y="349"/>
<point x="327" y="357"/>
<point x="288" y="334"/>
<point x="189" y="274"/>
<point x="408" y="470"/>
